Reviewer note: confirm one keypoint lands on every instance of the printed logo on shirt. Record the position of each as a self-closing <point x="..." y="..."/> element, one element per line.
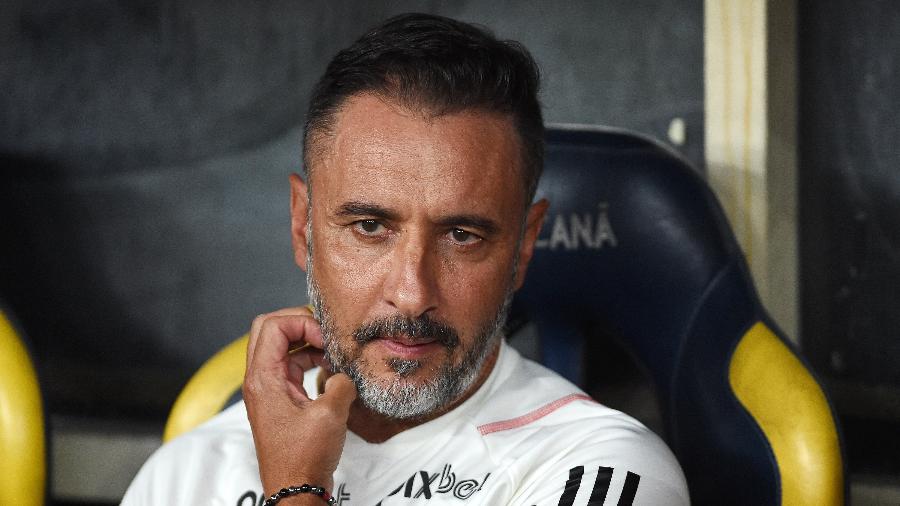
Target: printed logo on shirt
<point x="422" y="485"/>
<point x="425" y="485"/>
<point x="600" y="489"/>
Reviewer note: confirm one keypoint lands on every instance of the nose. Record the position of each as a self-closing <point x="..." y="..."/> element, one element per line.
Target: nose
<point x="411" y="285"/>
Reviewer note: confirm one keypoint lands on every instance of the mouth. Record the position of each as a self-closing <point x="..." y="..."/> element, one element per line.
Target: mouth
<point x="410" y="349"/>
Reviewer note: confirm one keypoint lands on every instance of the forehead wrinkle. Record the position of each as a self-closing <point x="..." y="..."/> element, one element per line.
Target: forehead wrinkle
<point x="378" y="152"/>
<point x="325" y="141"/>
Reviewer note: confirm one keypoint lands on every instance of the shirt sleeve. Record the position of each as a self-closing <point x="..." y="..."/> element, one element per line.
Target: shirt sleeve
<point x="198" y="469"/>
<point x="596" y="485"/>
<point x="633" y="469"/>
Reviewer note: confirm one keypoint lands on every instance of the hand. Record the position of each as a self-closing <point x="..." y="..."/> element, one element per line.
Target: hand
<point x="298" y="440"/>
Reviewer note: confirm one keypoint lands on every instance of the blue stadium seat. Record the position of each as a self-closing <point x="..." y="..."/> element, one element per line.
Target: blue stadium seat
<point x="636" y="244"/>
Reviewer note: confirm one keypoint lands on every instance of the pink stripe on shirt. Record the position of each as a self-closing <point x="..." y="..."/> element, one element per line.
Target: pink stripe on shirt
<point x="527" y="418"/>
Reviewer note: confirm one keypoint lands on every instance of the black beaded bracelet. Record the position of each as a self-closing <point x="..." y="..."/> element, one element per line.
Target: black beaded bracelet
<point x="306" y="488"/>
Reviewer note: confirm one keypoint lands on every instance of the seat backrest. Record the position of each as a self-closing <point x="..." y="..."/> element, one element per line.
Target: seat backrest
<point x="635" y="243"/>
<point x="23" y="459"/>
<point x="216" y="385"/>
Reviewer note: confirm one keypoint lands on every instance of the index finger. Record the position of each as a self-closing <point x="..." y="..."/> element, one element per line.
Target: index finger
<point x="277" y="334"/>
<point x="258" y="321"/>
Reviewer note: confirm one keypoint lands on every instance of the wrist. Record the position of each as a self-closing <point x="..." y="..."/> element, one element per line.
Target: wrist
<point x="299" y="495"/>
<point x="277" y="482"/>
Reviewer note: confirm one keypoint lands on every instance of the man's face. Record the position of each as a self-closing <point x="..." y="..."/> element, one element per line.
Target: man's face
<point x="417" y="244"/>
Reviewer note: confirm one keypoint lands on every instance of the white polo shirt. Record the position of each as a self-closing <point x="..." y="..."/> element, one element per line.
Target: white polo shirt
<point x="526" y="437"/>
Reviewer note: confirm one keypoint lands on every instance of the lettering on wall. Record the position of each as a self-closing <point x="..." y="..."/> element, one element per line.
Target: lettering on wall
<point x="575" y="231"/>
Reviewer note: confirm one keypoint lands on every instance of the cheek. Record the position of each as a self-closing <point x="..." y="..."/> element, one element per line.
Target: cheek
<point x="348" y="277"/>
<point x="474" y="292"/>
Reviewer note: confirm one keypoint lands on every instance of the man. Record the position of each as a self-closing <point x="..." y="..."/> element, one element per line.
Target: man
<point x="423" y="148"/>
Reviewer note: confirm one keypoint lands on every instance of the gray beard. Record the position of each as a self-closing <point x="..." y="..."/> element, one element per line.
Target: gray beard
<point x="399" y="397"/>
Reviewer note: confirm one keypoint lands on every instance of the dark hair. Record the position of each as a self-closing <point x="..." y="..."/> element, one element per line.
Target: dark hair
<point x="440" y="65"/>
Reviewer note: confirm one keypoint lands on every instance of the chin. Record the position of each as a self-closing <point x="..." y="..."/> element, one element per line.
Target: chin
<point x="408" y="394"/>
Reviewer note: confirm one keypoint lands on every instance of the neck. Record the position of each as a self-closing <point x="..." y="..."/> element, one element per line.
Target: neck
<point x="376" y="428"/>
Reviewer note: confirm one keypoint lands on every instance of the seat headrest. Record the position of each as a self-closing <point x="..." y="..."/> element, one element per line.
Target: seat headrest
<point x="632" y="238"/>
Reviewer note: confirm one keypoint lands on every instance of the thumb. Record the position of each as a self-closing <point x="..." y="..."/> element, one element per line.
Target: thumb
<point x="340" y="392"/>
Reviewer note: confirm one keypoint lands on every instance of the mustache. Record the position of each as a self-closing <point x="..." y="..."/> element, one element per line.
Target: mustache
<point x="422" y="328"/>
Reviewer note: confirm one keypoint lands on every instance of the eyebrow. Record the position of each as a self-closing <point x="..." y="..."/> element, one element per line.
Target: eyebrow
<point x="486" y="225"/>
<point x="356" y="208"/>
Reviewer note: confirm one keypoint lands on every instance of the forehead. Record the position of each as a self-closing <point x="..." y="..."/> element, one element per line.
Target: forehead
<point x="379" y="151"/>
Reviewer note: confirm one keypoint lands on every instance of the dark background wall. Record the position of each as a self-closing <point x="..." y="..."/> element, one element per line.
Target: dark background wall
<point x="146" y="147"/>
<point x="849" y="181"/>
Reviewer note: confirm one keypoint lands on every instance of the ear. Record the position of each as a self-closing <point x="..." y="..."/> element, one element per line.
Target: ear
<point x="299" y="216"/>
<point x="533" y="223"/>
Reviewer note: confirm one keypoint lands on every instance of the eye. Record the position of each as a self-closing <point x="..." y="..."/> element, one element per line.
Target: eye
<point x="463" y="237"/>
<point x="368" y="227"/>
